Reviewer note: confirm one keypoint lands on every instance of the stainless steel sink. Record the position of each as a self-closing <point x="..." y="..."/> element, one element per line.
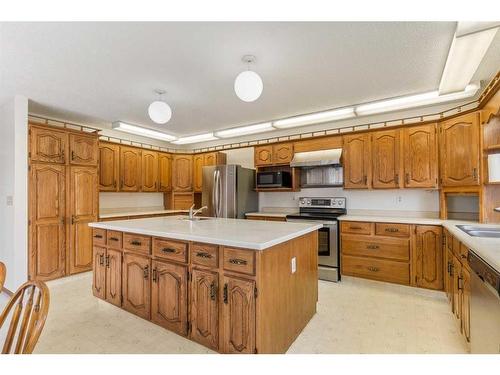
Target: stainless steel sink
<point x="477" y="231"/>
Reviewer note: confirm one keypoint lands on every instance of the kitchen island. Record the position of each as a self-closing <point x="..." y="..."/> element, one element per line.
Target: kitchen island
<point x="235" y="286"/>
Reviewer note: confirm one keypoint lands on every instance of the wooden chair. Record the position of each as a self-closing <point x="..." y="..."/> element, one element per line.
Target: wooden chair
<point x="33" y="312"/>
<point x="3" y="273"/>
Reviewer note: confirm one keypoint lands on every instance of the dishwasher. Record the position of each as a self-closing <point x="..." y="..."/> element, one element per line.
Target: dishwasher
<point x="485" y="307"/>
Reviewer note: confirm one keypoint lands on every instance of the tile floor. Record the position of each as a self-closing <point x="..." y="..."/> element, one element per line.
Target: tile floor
<point x="355" y="316"/>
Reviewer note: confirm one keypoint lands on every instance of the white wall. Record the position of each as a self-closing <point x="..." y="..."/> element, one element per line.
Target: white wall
<point x="130" y="200"/>
<point x="14" y="190"/>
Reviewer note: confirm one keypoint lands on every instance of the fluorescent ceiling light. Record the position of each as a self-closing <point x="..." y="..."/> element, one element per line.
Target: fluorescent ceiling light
<point x="413" y="101"/>
<point x="195" y="139"/>
<point x="315" y="118"/>
<point x="138" y="130"/>
<point x="465" y="55"/>
<point x="243" y="130"/>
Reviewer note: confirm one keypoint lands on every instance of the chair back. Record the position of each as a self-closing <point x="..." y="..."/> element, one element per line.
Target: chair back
<point x="30" y="305"/>
<point x="3" y="273"/>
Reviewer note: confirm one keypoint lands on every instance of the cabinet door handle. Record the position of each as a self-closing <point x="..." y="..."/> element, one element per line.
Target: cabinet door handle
<point x="225" y="293"/>
<point x="136" y="243"/>
<point x="62" y="155"/>
<point x="372" y="247"/>
<point x="73" y="219"/>
<point x="365" y="180"/>
<point x="146" y="272"/>
<point x="238" y="261"/>
<point x="373" y="269"/>
<point x="101" y="259"/>
<point x="396" y="179"/>
<point x="155" y="275"/>
<point x="203" y="255"/>
<point x="459" y="282"/>
<point x="407" y="178"/>
<point x="167" y="250"/>
<point x="213" y="291"/>
<point x="392" y="230"/>
<point x="474" y="174"/>
<point x="107" y="261"/>
<point x="72" y="155"/>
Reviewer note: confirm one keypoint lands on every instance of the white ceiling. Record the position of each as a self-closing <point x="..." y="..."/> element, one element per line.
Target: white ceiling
<point x="108" y="71"/>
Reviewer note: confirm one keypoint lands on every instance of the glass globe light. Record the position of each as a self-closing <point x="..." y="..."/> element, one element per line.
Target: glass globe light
<point x="248" y="86"/>
<point x="159" y="112"/>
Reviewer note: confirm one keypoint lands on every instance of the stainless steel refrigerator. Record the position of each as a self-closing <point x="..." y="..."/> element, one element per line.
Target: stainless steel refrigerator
<point x="228" y="191"/>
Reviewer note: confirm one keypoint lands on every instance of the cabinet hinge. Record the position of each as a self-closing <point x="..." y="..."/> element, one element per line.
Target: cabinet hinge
<point x="121" y="299"/>
<point x="29" y="154"/>
<point x="255" y="293"/>
<point x="188" y="327"/>
<point x="256" y="351"/>
<point x="29" y="167"/>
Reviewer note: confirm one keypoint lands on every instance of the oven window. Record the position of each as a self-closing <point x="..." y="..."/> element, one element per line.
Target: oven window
<point x="266" y="179"/>
<point x="324" y="242"/>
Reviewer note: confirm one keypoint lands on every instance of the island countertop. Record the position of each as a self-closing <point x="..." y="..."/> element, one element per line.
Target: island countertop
<point x="249" y="234"/>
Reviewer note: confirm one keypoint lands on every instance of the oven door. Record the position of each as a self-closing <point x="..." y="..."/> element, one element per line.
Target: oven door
<point x="328" y="253"/>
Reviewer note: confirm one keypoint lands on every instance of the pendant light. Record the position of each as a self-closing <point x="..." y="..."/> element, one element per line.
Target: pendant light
<point x="248" y="85"/>
<point x="159" y="111"/>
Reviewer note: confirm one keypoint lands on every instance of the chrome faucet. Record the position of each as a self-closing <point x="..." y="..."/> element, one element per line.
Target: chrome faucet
<point x="192" y="213"/>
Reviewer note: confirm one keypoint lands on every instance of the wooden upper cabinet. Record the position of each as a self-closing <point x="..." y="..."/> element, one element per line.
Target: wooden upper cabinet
<point x="149" y="170"/>
<point x="83" y="149"/>
<point x="282" y="153"/>
<point x="83" y="207"/>
<point x="214" y="158"/>
<point x="198" y="164"/>
<point x="130" y="169"/>
<point x="420" y="156"/>
<point x="182" y="173"/>
<point x="238" y="315"/>
<point x="169" y="303"/>
<point x="385" y="159"/>
<point x="109" y="164"/>
<point x="357" y="161"/>
<point x="164" y="172"/>
<point x="136" y="285"/>
<point x="47" y="221"/>
<point x="428" y="257"/>
<point x="204" y="308"/>
<point x="48" y="145"/>
<point x="113" y="263"/>
<point x="459" y="146"/>
<point x="263" y="155"/>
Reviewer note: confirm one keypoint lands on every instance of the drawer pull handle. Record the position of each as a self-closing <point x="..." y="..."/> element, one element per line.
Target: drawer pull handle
<point x="167" y="250"/>
<point x="356" y="228"/>
<point x="203" y="255"/>
<point x="98" y="236"/>
<point x="373" y="269"/>
<point x="238" y="261"/>
<point x="213" y="291"/>
<point x="372" y="247"/>
<point x="392" y="230"/>
<point x="113" y="239"/>
<point x="136" y="243"/>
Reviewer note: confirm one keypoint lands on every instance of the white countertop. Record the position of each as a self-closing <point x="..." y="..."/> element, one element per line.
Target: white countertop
<point x="392" y="219"/>
<point x="106" y="213"/>
<point x="249" y="234"/>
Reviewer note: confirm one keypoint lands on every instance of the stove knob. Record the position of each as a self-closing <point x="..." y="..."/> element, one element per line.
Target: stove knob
<point x="309" y="202"/>
<point x="302" y="201"/>
<point x="334" y="202"/>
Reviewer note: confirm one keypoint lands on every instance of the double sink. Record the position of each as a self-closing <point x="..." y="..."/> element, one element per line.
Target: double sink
<point x="480" y="231"/>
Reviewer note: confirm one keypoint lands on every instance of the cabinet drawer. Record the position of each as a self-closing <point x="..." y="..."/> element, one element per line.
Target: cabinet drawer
<point x="99" y="236"/>
<point x="392" y="229"/>
<point x="376" y="269"/>
<point x="137" y="242"/>
<point x="391" y="248"/>
<point x="239" y="260"/>
<point x="168" y="249"/>
<point x="205" y="255"/>
<point x="114" y="239"/>
<point x="356" y="227"/>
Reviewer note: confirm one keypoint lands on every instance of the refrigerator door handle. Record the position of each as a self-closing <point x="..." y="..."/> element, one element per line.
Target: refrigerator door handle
<point x="219" y="193"/>
<point x="214" y="193"/>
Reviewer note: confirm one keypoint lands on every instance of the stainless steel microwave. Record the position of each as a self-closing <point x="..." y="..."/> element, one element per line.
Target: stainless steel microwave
<point x="274" y="179"/>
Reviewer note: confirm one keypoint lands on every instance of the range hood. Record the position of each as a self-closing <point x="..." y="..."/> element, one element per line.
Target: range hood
<point x="317" y="158"/>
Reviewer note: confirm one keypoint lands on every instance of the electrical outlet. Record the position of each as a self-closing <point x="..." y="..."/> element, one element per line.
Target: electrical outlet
<point x="399" y="199"/>
<point x="10" y="200"/>
<point x="294" y="264"/>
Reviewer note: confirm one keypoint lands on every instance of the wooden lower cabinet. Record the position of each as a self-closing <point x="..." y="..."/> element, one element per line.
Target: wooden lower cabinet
<point x="208" y="301"/>
<point x="136" y="285"/>
<point x="465" y="295"/>
<point x="428" y="257"/>
<point x="169" y="296"/>
<point x="204" y="301"/>
<point x="238" y="315"/>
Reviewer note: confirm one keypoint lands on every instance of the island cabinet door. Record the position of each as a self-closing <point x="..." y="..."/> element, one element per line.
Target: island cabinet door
<point x="99" y="273"/>
<point x="136" y="285"/>
<point x="204" y="308"/>
<point x="113" y="263"/>
<point x="238" y="315"/>
<point x="169" y="296"/>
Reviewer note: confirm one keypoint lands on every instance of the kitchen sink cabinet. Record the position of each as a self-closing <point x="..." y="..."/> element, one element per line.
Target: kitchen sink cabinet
<point x="357" y="161"/>
<point x="459" y="151"/>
